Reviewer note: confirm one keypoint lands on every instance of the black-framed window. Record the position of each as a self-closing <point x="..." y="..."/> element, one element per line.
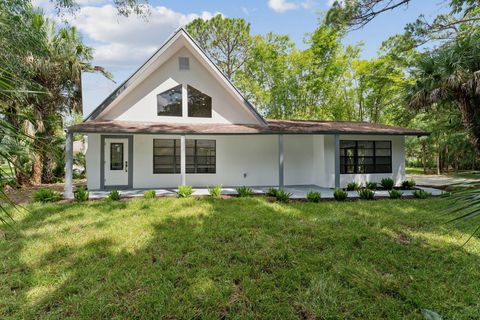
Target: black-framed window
<point x="365" y="156"/>
<point x="166" y="155"/>
<point x="169" y="103"/>
<point x="116" y="156"/>
<point x="199" y="104"/>
<point x="200" y="156"/>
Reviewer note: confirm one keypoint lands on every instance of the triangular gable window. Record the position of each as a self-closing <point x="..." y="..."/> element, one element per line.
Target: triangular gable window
<point x="199" y="104"/>
<point x="169" y="103"/>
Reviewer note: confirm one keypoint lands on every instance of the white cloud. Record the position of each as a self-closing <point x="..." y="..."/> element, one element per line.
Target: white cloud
<point x="245" y="11"/>
<point x="282" y="5"/>
<point x="120" y="41"/>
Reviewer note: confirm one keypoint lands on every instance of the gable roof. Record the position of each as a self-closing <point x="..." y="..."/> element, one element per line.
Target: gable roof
<point x="148" y="67"/>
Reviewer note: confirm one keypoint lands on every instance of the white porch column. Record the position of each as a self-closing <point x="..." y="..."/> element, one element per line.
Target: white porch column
<point x="337" y="161"/>
<point x="68" y="191"/>
<point x="280" y="161"/>
<point x="183" y="160"/>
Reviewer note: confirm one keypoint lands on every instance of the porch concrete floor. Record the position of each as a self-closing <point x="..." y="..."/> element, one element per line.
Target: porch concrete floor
<point x="298" y="192"/>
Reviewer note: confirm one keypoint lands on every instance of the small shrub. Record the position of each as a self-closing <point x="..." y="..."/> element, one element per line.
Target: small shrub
<point x="81" y="194"/>
<point x="244" y="191"/>
<point x="215" y="191"/>
<point x="340" y="194"/>
<point x="395" y="194"/>
<point x="149" y="194"/>
<point x="114" y="195"/>
<point x="421" y="194"/>
<point x="366" y="194"/>
<point x="408" y="184"/>
<point x="184" y="191"/>
<point x="370" y="185"/>
<point x="313" y="196"/>
<point x="283" y="196"/>
<point x="387" y="183"/>
<point x="271" y="192"/>
<point x="46" y="195"/>
<point x="353" y="186"/>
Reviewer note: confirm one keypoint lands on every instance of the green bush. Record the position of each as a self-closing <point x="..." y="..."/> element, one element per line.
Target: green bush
<point x="46" y="195"/>
<point x="421" y="194"/>
<point x="371" y="185"/>
<point x="184" y="191"/>
<point x="149" y="194"/>
<point x="366" y="194"/>
<point x="340" y="194"/>
<point x="215" y="191"/>
<point x="395" y="194"/>
<point x="81" y="194"/>
<point x="283" y="196"/>
<point x="387" y="183"/>
<point x="114" y="195"/>
<point x="313" y="196"/>
<point x="353" y="186"/>
<point x="244" y="191"/>
<point x="271" y="192"/>
<point x="408" y="184"/>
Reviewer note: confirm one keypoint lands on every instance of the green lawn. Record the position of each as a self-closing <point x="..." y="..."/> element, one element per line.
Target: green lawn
<point x="238" y="258"/>
<point x="466" y="174"/>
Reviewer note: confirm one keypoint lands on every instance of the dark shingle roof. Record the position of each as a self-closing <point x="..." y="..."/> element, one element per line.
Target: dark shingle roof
<point x="272" y="127"/>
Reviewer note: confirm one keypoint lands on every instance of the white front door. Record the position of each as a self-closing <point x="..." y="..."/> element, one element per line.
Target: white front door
<point x="116" y="162"/>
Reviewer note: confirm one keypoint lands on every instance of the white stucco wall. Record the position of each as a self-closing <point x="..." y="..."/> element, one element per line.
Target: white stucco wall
<point x="141" y="103"/>
<point x="398" y="161"/>
<point x="309" y="159"/>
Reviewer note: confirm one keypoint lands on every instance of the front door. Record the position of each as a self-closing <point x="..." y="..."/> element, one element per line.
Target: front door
<point x="116" y="162"/>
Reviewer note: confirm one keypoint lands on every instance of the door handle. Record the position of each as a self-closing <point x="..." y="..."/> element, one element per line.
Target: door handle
<point x="126" y="166"/>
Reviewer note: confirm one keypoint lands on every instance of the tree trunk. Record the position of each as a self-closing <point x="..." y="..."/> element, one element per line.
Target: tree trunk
<point x="36" y="177"/>
<point x="438" y="160"/>
<point x="469" y="120"/>
<point x="424" y="157"/>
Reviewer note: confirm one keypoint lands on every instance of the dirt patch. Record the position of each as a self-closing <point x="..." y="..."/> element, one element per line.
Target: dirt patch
<point x="24" y="194"/>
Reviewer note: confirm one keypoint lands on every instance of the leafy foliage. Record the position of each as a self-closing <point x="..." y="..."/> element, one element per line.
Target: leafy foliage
<point x="81" y="194"/>
<point x="271" y="192"/>
<point x="366" y="194"/>
<point x="244" y="191"/>
<point x="114" y="195"/>
<point x="340" y="194"/>
<point x="313" y="196"/>
<point x="215" y="191"/>
<point x="387" y="183"/>
<point x="46" y="195"/>
<point x="184" y="191"/>
<point x="149" y="194"/>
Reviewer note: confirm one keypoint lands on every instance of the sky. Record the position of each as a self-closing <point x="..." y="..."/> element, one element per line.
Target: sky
<point x="122" y="44"/>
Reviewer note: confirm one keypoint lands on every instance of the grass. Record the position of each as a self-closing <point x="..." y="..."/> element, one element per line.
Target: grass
<point x="466" y="174"/>
<point x="238" y="258"/>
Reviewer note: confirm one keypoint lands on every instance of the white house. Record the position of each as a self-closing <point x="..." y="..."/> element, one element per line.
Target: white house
<point x="178" y="120"/>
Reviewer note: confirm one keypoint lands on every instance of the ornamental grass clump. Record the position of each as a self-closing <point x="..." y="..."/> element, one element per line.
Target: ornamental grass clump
<point x="81" y="194"/>
<point x="215" y="191"/>
<point x="114" y="195"/>
<point x="313" y="196"/>
<point x="366" y="194"/>
<point x="184" y="191"/>
<point x="271" y="192"/>
<point x="421" y="194"/>
<point x="408" y="184"/>
<point x="353" y="186"/>
<point x="395" y="194"/>
<point x="244" y="191"/>
<point x="339" y="194"/>
<point x="149" y="194"/>
<point x="387" y="183"/>
<point x="283" y="196"/>
<point x="45" y="195"/>
<point x="371" y="185"/>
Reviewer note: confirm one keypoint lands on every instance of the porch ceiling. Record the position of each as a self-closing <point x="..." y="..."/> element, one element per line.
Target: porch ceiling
<point x="272" y="127"/>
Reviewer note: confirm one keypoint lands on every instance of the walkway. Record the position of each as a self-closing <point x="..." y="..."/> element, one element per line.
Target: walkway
<point x="298" y="192"/>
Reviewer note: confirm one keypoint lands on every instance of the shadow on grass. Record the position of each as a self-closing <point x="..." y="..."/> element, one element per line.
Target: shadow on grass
<point x="214" y="258"/>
